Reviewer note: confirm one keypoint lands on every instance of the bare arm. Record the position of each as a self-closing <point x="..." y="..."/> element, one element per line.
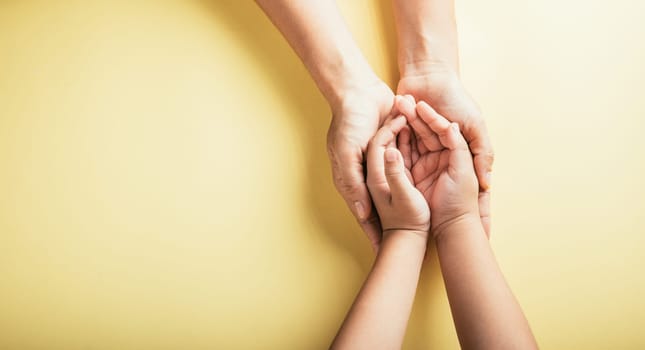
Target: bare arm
<point x="428" y="58"/>
<point x="485" y="312"/>
<point x="379" y="316"/>
<point x="427" y="33"/>
<point x="358" y="99"/>
<point x="317" y="33"/>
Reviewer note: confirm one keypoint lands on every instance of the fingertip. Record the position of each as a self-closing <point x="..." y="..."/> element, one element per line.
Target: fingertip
<point x="397" y="123"/>
<point x="423" y="105"/>
<point x="397" y="101"/>
<point x="387" y="132"/>
<point x="404" y="103"/>
<point x="427" y="113"/>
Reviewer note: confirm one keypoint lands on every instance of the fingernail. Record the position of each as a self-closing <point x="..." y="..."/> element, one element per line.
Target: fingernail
<point x="390" y="155"/>
<point x="455" y="127"/>
<point x="489" y="176"/>
<point x="360" y="210"/>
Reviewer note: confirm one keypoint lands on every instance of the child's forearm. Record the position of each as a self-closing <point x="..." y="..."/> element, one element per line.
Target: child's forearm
<point x="485" y="312"/>
<point x="379" y="315"/>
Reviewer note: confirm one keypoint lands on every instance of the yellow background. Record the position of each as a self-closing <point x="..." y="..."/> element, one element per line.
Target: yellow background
<point x="164" y="182"/>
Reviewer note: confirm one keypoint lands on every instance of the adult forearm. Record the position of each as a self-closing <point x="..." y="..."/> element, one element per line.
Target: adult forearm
<point x="379" y="316"/>
<point x="485" y="312"/>
<point x="317" y="32"/>
<point x="427" y="34"/>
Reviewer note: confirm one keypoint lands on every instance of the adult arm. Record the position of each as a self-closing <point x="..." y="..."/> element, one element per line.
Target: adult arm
<point x="317" y="33"/>
<point x="427" y="33"/>
<point x="428" y="59"/>
<point x="359" y="100"/>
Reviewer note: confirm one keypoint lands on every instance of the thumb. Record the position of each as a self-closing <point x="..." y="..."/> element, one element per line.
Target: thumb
<point x="400" y="185"/>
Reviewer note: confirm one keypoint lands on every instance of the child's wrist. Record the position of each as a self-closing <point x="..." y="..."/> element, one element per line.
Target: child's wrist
<point x="416" y="232"/>
<point x="410" y="238"/>
<point x="467" y="221"/>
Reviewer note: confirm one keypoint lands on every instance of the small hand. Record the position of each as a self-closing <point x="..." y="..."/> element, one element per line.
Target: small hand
<point x="401" y="207"/>
<point x="355" y="121"/>
<point x="442" y="171"/>
<point x="440" y="86"/>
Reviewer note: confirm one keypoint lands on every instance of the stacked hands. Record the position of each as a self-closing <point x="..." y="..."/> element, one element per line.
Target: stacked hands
<point x="420" y="172"/>
<point x="421" y="175"/>
<point x="441" y="99"/>
<point x="410" y="167"/>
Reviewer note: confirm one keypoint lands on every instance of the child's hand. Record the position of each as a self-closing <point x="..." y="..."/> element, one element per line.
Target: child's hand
<point x="441" y="166"/>
<point x="399" y="204"/>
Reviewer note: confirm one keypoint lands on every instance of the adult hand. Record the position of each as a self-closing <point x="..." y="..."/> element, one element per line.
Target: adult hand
<point x="355" y="119"/>
<point x="439" y="86"/>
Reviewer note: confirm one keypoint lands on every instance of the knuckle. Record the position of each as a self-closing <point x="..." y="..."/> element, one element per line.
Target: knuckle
<point x="341" y="152"/>
<point x="485" y="159"/>
<point x="392" y="171"/>
<point x="488" y="156"/>
<point x="346" y="188"/>
<point x="477" y="116"/>
<point x="337" y="178"/>
<point x="330" y="152"/>
<point x="474" y="123"/>
<point x="372" y="219"/>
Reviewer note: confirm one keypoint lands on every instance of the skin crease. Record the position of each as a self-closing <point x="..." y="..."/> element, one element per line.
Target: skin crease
<point x="379" y="315"/>
<point x="360" y="102"/>
<point x="449" y="163"/>
<point x="442" y="89"/>
<point x="429" y="64"/>
<point x="407" y="106"/>
<point x="408" y="184"/>
<point x="352" y="126"/>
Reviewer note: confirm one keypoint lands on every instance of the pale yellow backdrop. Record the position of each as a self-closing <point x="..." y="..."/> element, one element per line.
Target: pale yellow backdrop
<point x="164" y="182"/>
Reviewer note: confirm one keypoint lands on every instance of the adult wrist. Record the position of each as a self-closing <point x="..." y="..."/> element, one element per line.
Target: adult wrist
<point x="426" y="32"/>
<point x="344" y="77"/>
<point x="350" y="88"/>
<point x="423" y="65"/>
